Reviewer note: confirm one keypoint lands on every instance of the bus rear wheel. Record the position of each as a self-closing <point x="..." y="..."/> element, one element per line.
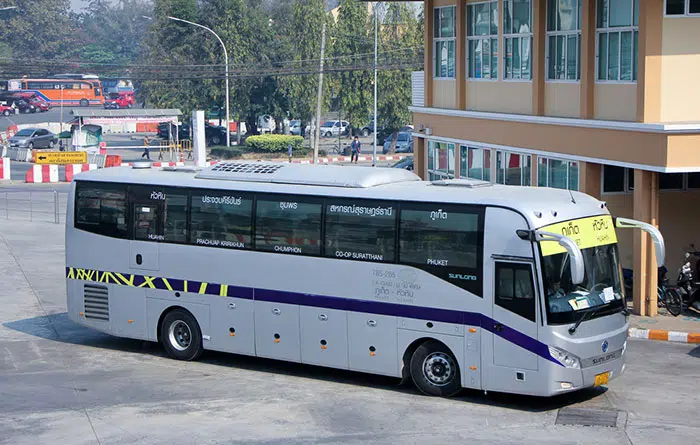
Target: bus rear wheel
<point x="181" y="335"/>
<point x="84" y="103"/>
<point x="434" y="370"/>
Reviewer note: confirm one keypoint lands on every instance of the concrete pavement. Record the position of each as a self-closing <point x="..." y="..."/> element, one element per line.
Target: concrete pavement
<point x="64" y="384"/>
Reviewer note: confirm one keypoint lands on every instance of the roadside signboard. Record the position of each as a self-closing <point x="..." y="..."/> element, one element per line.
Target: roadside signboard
<point x="60" y="157"/>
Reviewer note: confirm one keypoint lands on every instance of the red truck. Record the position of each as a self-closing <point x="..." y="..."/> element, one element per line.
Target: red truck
<point x="120" y="100"/>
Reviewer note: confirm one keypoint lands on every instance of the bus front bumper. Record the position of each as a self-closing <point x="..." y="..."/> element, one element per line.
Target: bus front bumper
<point x="596" y="371"/>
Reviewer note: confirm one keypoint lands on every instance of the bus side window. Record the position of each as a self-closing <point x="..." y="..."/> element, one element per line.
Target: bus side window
<point x="101" y="209"/>
<point x="360" y="230"/>
<point x="514" y="289"/>
<point x="221" y="219"/>
<point x="288" y="225"/>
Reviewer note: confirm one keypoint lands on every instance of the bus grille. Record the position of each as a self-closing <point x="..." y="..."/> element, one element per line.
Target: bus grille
<point x="96" y="302"/>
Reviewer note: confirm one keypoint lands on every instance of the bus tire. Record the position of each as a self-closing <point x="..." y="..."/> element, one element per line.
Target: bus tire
<point x="434" y="370"/>
<point x="181" y="335"/>
<point x="84" y="103"/>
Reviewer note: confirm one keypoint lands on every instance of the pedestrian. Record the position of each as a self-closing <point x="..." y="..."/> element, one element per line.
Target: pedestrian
<point x="60" y="145"/>
<point x="147" y="148"/>
<point x="355" y="147"/>
<point x="289" y="151"/>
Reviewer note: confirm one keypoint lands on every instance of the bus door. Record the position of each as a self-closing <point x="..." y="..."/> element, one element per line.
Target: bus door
<point x="509" y="285"/>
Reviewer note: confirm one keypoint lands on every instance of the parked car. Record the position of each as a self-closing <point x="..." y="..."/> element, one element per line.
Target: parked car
<point x="33" y="138"/>
<point x="216" y="135"/>
<point x="334" y="128"/>
<point x="24" y="106"/>
<point x="404" y="143"/>
<point x="120" y="100"/>
<point x="6" y="111"/>
<point x="40" y="104"/>
<point x="164" y="129"/>
<point x="369" y="128"/>
<point x="405" y="163"/>
<point x="295" y="127"/>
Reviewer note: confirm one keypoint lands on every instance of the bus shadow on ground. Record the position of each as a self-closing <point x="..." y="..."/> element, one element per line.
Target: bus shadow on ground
<point x="58" y="327"/>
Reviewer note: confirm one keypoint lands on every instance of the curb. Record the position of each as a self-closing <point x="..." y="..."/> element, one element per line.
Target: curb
<point x="661" y="335"/>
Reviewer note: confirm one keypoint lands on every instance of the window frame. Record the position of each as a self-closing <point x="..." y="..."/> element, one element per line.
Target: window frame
<point x="127" y="210"/>
<point x="440" y="39"/>
<point x="462" y="159"/>
<point x="436" y="171"/>
<point x="523" y="156"/>
<point x="514" y="266"/>
<point x="244" y="195"/>
<point x="566" y="34"/>
<point x="568" y="162"/>
<point x="487" y="37"/>
<point x="686" y="11"/>
<point x="634" y="29"/>
<point x="516" y="36"/>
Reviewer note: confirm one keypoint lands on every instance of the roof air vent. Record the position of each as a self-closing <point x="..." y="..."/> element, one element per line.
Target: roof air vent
<point x="141" y="165"/>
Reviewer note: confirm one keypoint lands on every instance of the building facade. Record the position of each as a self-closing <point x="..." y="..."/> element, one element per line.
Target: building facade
<point x="599" y="96"/>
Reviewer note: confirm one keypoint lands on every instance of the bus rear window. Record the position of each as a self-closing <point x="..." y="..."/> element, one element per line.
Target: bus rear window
<point x="360" y="230"/>
<point x="101" y="209"/>
<point x="288" y="225"/>
<point x="221" y="219"/>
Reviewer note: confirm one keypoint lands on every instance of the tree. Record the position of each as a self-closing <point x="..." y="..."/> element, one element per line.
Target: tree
<point x="303" y="50"/>
<point x="38" y="29"/>
<point x="401" y="37"/>
<point x="351" y="41"/>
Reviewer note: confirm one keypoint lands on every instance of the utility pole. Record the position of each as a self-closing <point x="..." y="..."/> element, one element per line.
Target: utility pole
<point x="317" y="132"/>
<point x="376" y="26"/>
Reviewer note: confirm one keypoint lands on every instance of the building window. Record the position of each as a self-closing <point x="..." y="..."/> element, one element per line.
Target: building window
<point x="682" y="7"/>
<point x="671" y="181"/>
<point x="557" y="173"/>
<point x="614" y="179"/>
<point x="441" y="160"/>
<point x="482" y="40"/>
<point x="564" y="39"/>
<point x="621" y="180"/>
<point x="513" y="168"/>
<point x="444" y="37"/>
<point x="617" y="34"/>
<point x="475" y="163"/>
<point x="517" y="38"/>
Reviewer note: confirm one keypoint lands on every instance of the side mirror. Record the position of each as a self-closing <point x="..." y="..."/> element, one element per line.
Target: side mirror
<point x="578" y="267"/>
<point x="656" y="237"/>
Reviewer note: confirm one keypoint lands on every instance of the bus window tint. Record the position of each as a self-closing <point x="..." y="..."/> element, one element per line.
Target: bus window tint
<point x="101" y="209"/>
<point x="221" y="219"/>
<point x="360" y="230"/>
<point x="146" y="222"/>
<point x="175" y="217"/>
<point x="439" y="237"/>
<point x="288" y="226"/>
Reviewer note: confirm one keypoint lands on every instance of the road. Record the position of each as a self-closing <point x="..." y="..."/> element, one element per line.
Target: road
<point x="53" y="115"/>
<point x="61" y="383"/>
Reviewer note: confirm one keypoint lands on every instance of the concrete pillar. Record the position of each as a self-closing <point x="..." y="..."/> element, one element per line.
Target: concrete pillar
<point x="428" y="6"/>
<point x="649" y="61"/>
<point x="588" y="75"/>
<point x="538" y="55"/>
<point x="646" y="209"/>
<point x="461" y="55"/>
<point x="420" y="157"/>
<point x="589" y="178"/>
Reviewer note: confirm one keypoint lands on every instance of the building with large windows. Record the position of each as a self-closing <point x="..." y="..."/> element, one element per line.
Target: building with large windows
<point x="599" y="96"/>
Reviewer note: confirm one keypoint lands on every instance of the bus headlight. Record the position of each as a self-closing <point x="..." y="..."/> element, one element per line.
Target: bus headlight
<point x="566" y="358"/>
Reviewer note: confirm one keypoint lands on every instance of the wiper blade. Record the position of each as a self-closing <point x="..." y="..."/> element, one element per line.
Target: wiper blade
<point x="591" y="312"/>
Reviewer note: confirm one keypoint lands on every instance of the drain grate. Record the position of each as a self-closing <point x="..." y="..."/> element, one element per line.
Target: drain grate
<point x="587" y="417"/>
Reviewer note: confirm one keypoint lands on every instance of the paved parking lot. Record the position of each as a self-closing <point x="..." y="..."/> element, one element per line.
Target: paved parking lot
<point x="63" y="384"/>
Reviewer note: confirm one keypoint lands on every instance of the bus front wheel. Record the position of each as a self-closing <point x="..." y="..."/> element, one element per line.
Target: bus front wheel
<point x="84" y="103"/>
<point x="434" y="370"/>
<point x="181" y="335"/>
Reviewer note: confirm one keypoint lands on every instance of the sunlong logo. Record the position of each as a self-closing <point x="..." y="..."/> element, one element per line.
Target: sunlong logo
<point x="459" y="276"/>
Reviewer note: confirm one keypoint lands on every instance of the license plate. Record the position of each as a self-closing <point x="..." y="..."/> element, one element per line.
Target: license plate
<point x="602" y="379"/>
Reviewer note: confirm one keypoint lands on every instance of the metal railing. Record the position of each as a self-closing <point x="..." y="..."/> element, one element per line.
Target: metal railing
<point x="44" y="205"/>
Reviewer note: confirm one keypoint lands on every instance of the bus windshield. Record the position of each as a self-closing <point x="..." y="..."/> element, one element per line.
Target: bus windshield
<point x="602" y="282"/>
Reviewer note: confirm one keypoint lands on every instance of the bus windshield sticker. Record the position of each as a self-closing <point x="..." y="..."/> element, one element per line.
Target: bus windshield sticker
<point x="586" y="232"/>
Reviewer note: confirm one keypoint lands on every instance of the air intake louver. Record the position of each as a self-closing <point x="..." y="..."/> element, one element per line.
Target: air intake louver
<point x="96" y="302"/>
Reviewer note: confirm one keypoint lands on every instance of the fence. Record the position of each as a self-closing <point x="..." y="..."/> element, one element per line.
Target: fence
<point x="45" y="205"/>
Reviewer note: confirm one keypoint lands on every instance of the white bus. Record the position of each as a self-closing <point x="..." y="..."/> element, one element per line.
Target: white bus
<point x="452" y="284"/>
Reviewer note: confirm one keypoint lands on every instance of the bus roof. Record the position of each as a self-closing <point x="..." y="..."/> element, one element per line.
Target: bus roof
<point x="541" y="206"/>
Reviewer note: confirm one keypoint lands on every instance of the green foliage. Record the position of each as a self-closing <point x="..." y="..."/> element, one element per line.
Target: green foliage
<point x="274" y="142"/>
<point x="399" y="29"/>
<point x="352" y="37"/>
